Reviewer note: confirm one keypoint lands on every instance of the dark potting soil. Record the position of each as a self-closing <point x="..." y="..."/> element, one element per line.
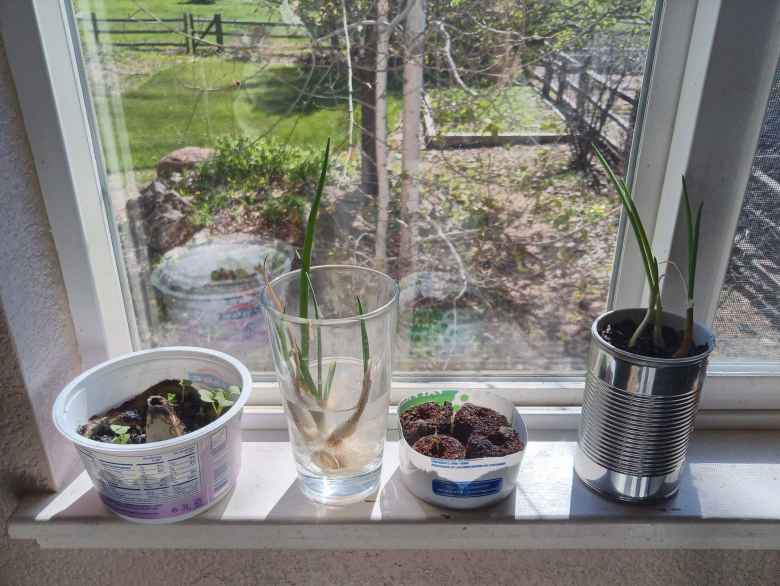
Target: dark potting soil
<point x="478" y="432"/>
<point x="619" y="334"/>
<point x="426" y="419"/>
<point x="440" y="446"/>
<point x="503" y="442"/>
<point x="472" y="418"/>
<point x="187" y="405"/>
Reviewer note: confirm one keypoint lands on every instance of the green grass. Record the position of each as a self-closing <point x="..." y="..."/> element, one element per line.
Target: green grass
<point x="230" y="9"/>
<point x="173" y="32"/>
<point x="195" y="102"/>
<point x="516" y="109"/>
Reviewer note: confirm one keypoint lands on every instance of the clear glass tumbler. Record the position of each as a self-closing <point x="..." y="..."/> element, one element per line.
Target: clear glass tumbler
<point x="334" y="368"/>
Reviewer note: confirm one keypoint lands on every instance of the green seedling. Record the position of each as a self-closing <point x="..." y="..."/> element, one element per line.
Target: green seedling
<point x="219" y="399"/>
<point x="121" y="432"/>
<point x="297" y="352"/>
<point x="654" y="314"/>
<point x="693" y="226"/>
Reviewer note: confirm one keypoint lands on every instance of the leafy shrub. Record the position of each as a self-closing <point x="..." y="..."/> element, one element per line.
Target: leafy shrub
<point x="254" y="164"/>
<point x="259" y="174"/>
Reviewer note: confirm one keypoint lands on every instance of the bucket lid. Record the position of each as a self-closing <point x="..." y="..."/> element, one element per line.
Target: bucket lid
<point x="221" y="262"/>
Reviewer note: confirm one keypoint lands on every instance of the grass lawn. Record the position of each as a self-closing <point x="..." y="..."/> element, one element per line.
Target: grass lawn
<point x="230" y="9"/>
<point x="195" y="102"/>
<point x="516" y="109"/>
<point x="173" y="32"/>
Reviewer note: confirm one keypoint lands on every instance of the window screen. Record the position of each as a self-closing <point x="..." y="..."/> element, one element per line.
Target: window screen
<point x="747" y="322"/>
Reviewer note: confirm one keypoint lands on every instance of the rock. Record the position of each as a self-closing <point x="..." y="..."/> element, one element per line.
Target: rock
<point x="163" y="215"/>
<point x="182" y="160"/>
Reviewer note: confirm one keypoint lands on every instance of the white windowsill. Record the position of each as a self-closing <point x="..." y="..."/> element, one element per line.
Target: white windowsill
<point x="728" y="499"/>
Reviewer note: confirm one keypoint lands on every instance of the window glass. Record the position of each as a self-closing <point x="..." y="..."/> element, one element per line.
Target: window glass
<point x="747" y="322"/>
<point x="463" y="165"/>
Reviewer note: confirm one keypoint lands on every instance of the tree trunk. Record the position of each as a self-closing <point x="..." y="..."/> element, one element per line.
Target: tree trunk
<point x="364" y="73"/>
<point x="380" y="134"/>
<point x="410" y="156"/>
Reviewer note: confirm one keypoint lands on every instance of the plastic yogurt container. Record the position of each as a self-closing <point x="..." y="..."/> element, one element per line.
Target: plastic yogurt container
<point x="461" y="484"/>
<point x="167" y="481"/>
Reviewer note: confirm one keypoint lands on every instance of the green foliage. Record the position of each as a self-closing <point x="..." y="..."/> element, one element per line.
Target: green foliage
<point x="219" y="399"/>
<point x="649" y="261"/>
<point x="121" y="434"/>
<point x="512" y="110"/>
<point x="246" y="164"/>
<point x="306" y="284"/>
<point x="694" y="226"/>
<point x="245" y="173"/>
<point x="363" y="338"/>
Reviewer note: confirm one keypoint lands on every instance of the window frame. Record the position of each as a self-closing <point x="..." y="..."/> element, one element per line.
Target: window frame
<point x="671" y="138"/>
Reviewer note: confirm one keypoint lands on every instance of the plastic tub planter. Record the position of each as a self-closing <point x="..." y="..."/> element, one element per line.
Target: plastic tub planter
<point x="461" y="484"/>
<point x="170" y="480"/>
<point x="211" y="290"/>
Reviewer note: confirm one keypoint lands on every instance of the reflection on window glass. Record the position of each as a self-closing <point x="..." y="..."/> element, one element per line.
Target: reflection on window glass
<point x="463" y="163"/>
<point x="747" y="322"/>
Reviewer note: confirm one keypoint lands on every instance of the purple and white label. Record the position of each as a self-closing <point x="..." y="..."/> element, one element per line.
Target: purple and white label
<point x="171" y="484"/>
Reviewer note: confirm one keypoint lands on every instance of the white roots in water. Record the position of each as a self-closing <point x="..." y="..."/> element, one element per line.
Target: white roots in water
<point x="326" y="460"/>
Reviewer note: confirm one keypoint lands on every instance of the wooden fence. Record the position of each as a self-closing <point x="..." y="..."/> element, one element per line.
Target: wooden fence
<point x="189" y="31"/>
<point x="569" y="84"/>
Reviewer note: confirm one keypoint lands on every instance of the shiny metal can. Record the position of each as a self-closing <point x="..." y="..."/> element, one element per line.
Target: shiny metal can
<point x="638" y="414"/>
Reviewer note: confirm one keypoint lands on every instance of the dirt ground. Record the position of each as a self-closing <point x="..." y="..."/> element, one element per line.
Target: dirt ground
<point x="513" y="260"/>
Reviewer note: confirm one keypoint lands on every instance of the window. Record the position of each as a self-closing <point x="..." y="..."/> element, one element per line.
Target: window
<point x="503" y="245"/>
<point x="210" y="117"/>
<point x="747" y="321"/>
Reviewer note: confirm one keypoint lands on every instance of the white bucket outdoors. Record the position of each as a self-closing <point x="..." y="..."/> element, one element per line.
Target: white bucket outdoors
<point x="166" y="481"/>
<point x="461" y="484"/>
<point x="229" y="310"/>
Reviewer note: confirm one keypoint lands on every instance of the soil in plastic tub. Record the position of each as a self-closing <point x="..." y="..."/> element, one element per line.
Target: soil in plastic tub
<point x="440" y="446"/>
<point x="479" y="432"/>
<point x="180" y="405"/>
<point x="426" y="419"/>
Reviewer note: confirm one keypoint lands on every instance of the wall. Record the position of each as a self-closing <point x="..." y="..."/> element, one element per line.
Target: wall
<point x="38" y="354"/>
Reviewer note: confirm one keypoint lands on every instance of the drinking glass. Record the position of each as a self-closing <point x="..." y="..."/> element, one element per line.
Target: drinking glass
<point x="334" y="367"/>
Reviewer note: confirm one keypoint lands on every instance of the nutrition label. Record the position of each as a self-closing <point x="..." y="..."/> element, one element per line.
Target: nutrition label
<point x="149" y="486"/>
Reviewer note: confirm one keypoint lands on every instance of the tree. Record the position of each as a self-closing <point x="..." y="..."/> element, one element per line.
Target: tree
<point x="414" y="43"/>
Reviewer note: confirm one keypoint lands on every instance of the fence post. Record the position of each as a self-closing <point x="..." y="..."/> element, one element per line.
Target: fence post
<point x="220" y="34"/>
<point x="95" y="29"/>
<point x="186" y="33"/>
<point x="193" y="44"/>
<point x="583" y="83"/>
<point x="563" y="81"/>
<point x="548" y="75"/>
<point x="630" y="130"/>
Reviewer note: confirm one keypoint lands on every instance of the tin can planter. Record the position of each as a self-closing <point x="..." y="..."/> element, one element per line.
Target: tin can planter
<point x="638" y="414"/>
<point x="162" y="481"/>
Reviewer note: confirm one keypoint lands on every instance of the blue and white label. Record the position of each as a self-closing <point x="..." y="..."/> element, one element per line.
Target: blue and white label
<point x="475" y="488"/>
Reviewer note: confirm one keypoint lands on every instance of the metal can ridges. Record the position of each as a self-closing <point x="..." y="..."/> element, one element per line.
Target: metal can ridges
<point x="637" y="416"/>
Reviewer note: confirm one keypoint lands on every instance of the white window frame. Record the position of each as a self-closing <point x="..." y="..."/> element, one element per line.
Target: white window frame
<point x="711" y="56"/>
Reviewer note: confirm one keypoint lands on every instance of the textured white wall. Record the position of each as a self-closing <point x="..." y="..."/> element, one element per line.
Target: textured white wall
<point x="38" y="355"/>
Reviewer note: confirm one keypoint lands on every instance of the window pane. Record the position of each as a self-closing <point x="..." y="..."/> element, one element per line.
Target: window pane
<point x="747" y="322"/>
<point x="462" y="163"/>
